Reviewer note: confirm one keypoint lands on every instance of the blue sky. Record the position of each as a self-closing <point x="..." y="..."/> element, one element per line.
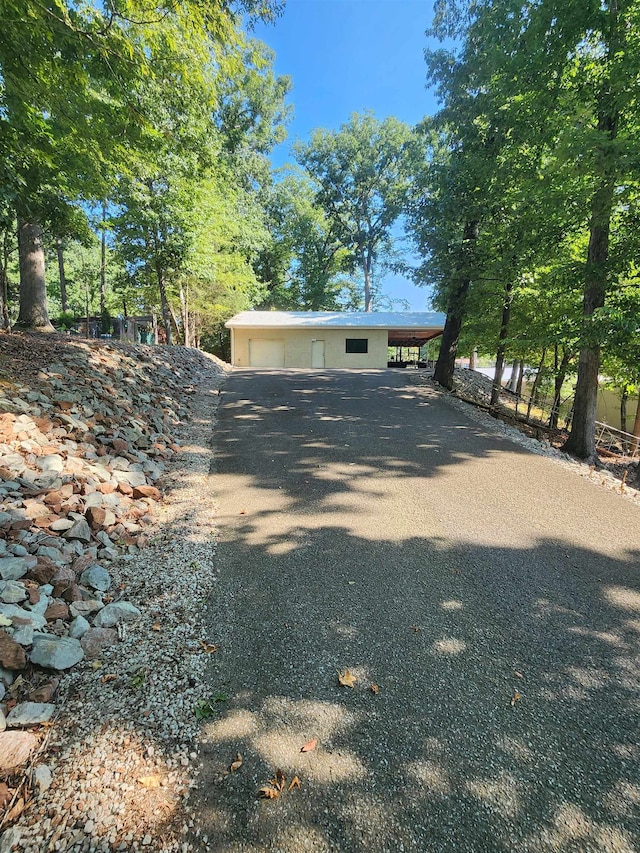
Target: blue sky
<point x="346" y="56"/>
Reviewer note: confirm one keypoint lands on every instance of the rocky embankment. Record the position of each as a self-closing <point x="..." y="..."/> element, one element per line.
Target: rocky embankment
<point x="87" y="431"/>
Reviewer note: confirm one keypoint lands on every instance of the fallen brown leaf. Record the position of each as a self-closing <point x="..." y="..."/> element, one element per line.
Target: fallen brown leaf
<point x="295" y="783"/>
<point x="347" y="678"/>
<point x="107" y="678"/>
<point x="15" y="812"/>
<point x="236" y="764"/>
<point x="209" y="648"/>
<point x="374" y="689"/>
<point x="150" y="782"/>
<point x="515" y="698"/>
<point x="518" y="674"/>
<point x="310" y="745"/>
<point x="279" y="780"/>
<point x="156" y="626"/>
<point x="268" y="793"/>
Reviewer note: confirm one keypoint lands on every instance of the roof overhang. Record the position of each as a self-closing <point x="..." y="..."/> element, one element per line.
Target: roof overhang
<point x="412" y="338"/>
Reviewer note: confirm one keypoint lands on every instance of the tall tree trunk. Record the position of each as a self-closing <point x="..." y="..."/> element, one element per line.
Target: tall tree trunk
<point x="33" y="292"/>
<point x="558" y="382"/>
<point x="581" y="441"/>
<point x="496" y="387"/>
<point x="473" y="358"/>
<point x="62" y="275"/>
<point x="103" y="262"/>
<point x="445" y="365"/>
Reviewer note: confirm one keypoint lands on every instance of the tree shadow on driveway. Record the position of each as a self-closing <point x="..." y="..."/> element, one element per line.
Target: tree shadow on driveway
<point x="499" y="625"/>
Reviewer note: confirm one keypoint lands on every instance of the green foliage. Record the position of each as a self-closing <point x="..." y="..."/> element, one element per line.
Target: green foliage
<point x="535" y="143"/>
<point x="361" y="176"/>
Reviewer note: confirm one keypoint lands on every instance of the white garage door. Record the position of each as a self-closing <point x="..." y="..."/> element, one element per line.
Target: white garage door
<point x="266" y="353"/>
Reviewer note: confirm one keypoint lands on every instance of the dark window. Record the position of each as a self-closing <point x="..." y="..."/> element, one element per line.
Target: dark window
<point x="357" y="345"/>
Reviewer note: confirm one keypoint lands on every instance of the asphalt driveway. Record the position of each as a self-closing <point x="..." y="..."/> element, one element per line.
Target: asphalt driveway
<point x="487" y="601"/>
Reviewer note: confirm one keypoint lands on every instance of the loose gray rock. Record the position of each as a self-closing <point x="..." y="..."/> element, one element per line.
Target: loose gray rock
<point x="56" y="652"/>
<point x="117" y="611"/>
<point x="80" y="531"/>
<point x="53" y="463"/>
<point x="61" y="525"/>
<point x="51" y="553"/>
<point x="9" y="839"/>
<point x="42" y="778"/>
<point x="30" y="714"/>
<point x="96" y="577"/>
<point x="3" y="721"/>
<point x="13" y="568"/>
<point x="78" y="628"/>
<point x="17" y="550"/>
<point x="13" y="592"/>
<point x="85" y="608"/>
<point x="23" y="634"/>
<point x="20" y="616"/>
<point x="97" y="639"/>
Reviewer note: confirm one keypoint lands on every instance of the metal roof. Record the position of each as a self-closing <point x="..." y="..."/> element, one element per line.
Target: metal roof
<point x="417" y="321"/>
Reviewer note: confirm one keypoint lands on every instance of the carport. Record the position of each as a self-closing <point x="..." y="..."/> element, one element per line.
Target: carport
<point x="409" y="346"/>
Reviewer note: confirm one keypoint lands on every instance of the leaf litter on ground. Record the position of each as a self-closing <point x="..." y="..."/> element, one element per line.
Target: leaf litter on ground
<point x="347" y="678"/>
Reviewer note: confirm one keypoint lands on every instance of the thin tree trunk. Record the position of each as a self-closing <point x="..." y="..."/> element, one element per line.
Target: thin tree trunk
<point x="624" y="398"/>
<point x="472" y="359"/>
<point x="636" y="430"/>
<point x="558" y="382"/>
<point x="103" y="263"/>
<point x="184" y="307"/>
<point x="445" y="365"/>
<point x="86" y="306"/>
<point x="520" y="378"/>
<point x="536" y="383"/>
<point x="5" y="321"/>
<point x="174" y="325"/>
<point x="164" y="304"/>
<point x="513" y="381"/>
<point x="367" y="282"/>
<point x="496" y="387"/>
<point x="62" y="275"/>
<point x="33" y="292"/>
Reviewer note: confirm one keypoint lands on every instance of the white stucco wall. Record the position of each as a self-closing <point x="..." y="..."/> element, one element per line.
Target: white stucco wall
<point x="297" y="346"/>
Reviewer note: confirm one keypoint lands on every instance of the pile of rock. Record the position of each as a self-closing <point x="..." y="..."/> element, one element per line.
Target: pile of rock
<point x="83" y="443"/>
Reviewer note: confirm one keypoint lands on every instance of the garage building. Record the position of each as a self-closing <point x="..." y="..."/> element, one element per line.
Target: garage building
<point x="332" y="339"/>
